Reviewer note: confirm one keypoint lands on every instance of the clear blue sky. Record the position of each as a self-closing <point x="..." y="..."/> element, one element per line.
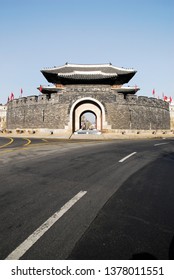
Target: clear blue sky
<point x="44" y="33"/>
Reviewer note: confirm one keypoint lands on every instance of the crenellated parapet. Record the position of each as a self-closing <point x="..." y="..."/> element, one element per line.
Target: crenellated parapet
<point x="67" y="96"/>
<point x="33" y="100"/>
<point x="23" y="101"/>
<point x="131" y="99"/>
<point x="54" y="111"/>
<point x="153" y="102"/>
<point x="145" y="101"/>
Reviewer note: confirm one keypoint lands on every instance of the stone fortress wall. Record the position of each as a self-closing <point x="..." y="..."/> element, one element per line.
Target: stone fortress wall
<point x="3" y="110"/>
<point x="121" y="111"/>
<point x="172" y="116"/>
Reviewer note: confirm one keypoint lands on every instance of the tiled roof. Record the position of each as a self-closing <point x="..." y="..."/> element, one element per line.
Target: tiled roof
<point x="105" y="68"/>
<point x="87" y="75"/>
<point x="88" y="72"/>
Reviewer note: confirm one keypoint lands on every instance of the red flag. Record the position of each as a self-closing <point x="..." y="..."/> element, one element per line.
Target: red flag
<point x="40" y="88"/>
<point x="153" y="92"/>
<point x="11" y="96"/>
<point x="170" y="99"/>
<point x="165" y="98"/>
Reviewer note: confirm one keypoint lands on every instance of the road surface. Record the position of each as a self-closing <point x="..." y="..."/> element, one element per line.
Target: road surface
<point x="86" y="199"/>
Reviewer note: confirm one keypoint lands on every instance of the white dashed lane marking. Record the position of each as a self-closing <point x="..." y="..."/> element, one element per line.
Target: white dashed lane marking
<point x="29" y="242"/>
<point x="130" y="155"/>
<point x="159" y="144"/>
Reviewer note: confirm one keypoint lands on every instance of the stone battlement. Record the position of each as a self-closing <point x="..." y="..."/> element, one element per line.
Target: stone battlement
<point x="113" y="110"/>
<point x="128" y="99"/>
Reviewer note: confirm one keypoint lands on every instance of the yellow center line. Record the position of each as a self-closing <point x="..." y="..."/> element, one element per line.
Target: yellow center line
<point x="9" y="143"/>
<point x="6" y="151"/>
<point x="24" y="147"/>
<point x="34" y="145"/>
<point x="28" y="141"/>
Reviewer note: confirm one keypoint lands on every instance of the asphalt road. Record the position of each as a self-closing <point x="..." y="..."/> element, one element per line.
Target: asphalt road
<point x="86" y="199"/>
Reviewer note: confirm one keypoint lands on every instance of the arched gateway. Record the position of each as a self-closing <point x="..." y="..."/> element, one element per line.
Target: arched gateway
<point x="76" y="89"/>
<point x="93" y="87"/>
<point x="86" y="104"/>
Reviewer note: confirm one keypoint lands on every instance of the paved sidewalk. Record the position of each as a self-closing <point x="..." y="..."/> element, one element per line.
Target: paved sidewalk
<point x="103" y="136"/>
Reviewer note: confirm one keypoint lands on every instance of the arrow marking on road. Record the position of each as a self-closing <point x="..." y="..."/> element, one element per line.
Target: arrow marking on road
<point x="29" y="242"/>
<point x="123" y="159"/>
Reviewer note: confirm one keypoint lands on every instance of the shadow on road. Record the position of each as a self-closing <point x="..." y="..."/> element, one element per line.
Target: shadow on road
<point x="147" y="256"/>
<point x="137" y="222"/>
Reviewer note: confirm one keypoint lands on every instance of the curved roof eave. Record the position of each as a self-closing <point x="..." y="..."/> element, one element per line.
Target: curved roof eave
<point x="131" y="90"/>
<point x="120" y="70"/>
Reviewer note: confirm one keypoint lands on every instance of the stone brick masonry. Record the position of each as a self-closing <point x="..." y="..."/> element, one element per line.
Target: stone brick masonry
<point x="121" y="111"/>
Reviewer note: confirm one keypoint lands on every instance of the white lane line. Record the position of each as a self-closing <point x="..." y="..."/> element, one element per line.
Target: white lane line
<point x="123" y="159"/>
<point x="23" y="247"/>
<point x="161" y="144"/>
<point x="45" y="140"/>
